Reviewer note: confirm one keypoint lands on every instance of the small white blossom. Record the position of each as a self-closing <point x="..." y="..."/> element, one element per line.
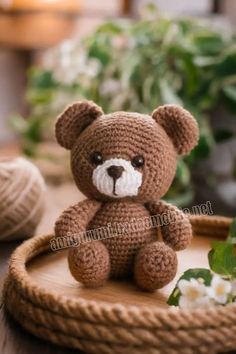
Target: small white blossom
<point x="193" y="294"/>
<point x="192" y="288"/>
<point x="92" y="68"/>
<point x="70" y="64"/>
<point x="219" y="289"/>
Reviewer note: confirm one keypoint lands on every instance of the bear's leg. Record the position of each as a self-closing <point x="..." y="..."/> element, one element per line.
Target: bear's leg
<point x="90" y="263"/>
<point x="155" y="266"/>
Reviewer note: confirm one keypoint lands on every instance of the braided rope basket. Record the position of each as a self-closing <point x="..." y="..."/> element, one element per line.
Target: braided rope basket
<point x="98" y="326"/>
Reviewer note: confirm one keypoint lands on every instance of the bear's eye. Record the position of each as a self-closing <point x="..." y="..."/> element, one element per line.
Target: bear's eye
<point x="137" y="161"/>
<point x="96" y="158"/>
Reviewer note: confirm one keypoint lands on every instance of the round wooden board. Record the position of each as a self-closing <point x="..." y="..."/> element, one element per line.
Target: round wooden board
<point x="44" y="298"/>
<point x="51" y="271"/>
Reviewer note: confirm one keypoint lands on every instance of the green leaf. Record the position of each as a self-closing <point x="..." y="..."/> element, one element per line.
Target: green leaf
<point x="232" y="232"/>
<point x="29" y="148"/>
<point x="109" y="27"/>
<point x="37" y="96"/>
<point x="169" y="96"/>
<point x="229" y="96"/>
<point x="100" y="51"/>
<point x="31" y="129"/>
<point x="18" y="124"/>
<point x="230" y="92"/>
<point x="195" y="273"/>
<point x="150" y="7"/>
<point x="34" y="129"/>
<point x="227" y="66"/>
<point x="182" y="173"/>
<point x="221" y="135"/>
<point x="203" y="149"/>
<point x="222" y="259"/>
<point x="41" y="79"/>
<point x="204" y="61"/>
<point x="209" y="43"/>
<point x="131" y="72"/>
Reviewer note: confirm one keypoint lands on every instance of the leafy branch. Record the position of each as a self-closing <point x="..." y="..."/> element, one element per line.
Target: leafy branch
<point x="222" y="261"/>
<point x="136" y="66"/>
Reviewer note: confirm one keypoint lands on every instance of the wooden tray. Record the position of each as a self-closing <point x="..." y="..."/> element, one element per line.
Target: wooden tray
<point x="41" y="294"/>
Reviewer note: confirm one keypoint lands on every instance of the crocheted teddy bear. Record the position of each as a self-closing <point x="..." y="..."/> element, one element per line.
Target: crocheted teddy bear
<point x="124" y="163"/>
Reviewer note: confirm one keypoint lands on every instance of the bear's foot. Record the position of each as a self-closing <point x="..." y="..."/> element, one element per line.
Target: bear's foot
<point x="155" y="266"/>
<point x="90" y="264"/>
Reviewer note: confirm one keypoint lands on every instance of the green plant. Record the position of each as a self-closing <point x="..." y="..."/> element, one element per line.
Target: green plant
<point x="136" y="66"/>
<point x="222" y="261"/>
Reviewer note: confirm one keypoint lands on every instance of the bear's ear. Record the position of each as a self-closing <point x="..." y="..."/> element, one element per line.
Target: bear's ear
<point x="179" y="125"/>
<point x="74" y="120"/>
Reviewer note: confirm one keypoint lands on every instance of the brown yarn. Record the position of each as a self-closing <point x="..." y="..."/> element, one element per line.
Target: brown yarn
<point x="155" y="266"/>
<point x="123" y="248"/>
<point x="84" y="129"/>
<point x="93" y="266"/>
<point x="125" y="135"/>
<point x="157" y="139"/>
<point x="95" y="326"/>
<point x="68" y="128"/>
<point x="75" y="219"/>
<point x="90" y="263"/>
<point x="179" y="125"/>
<point x="178" y="233"/>
<point x="22" y="197"/>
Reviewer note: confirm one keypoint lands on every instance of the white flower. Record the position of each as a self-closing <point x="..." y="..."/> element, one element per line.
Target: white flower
<point x="192" y="288"/>
<point x="219" y="289"/>
<point x="193" y="294"/>
<point x="92" y="68"/>
<point x="70" y="63"/>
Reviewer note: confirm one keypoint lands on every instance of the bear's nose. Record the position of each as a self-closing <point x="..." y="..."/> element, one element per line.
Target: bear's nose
<point x="115" y="171"/>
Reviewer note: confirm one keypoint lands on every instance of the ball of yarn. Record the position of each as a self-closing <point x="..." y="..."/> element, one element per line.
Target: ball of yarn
<point x="22" y="192"/>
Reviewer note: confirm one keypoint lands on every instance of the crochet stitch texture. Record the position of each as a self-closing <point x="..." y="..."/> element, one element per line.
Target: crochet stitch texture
<point x="149" y="146"/>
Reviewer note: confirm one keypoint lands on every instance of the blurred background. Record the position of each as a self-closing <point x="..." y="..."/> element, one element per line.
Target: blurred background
<point x="125" y="55"/>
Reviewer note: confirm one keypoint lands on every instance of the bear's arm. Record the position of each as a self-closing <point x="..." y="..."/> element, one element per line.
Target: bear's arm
<point x="175" y="225"/>
<point x="76" y="218"/>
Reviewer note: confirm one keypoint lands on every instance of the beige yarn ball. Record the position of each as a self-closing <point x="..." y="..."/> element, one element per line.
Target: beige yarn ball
<point x="22" y="193"/>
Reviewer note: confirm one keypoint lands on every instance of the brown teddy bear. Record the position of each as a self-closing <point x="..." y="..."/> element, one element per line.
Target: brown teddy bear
<point x="124" y="163"/>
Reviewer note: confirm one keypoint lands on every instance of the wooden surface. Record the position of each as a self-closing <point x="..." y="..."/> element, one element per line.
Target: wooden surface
<point x="35" y="30"/>
<point x="51" y="271"/>
<point x="13" y="339"/>
<point x="29" y="5"/>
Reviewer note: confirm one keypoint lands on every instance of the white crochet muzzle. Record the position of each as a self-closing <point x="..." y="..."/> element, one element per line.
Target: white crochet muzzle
<point x="126" y="185"/>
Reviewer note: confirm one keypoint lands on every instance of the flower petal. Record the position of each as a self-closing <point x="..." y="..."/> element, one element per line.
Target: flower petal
<point x="183" y="285"/>
<point x="185" y="303"/>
